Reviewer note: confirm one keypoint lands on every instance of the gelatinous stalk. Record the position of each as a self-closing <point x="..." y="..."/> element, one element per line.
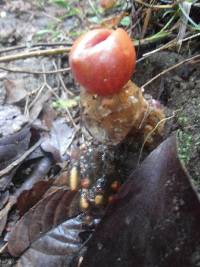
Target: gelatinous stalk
<point x="111" y="118"/>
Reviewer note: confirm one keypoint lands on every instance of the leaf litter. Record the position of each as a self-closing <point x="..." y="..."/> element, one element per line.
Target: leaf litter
<point x="40" y="215"/>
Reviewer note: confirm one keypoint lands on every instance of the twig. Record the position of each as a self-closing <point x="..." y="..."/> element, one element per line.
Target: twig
<point x="38" y="53"/>
<point x="191" y="37"/>
<point x="146" y="114"/>
<point x="2" y="249"/>
<point x="169" y="69"/>
<point x="146" y="22"/>
<point x="77" y="129"/>
<point x="40" y="89"/>
<point x="151" y="132"/>
<point x="19" y="47"/>
<point x="52" y="90"/>
<point x="26" y="111"/>
<point x="64" y="86"/>
<point x="21" y="159"/>
<point x="156" y="6"/>
<point x="16" y="70"/>
<point x="56" y="68"/>
<point x="34" y="91"/>
<point x="168" y="45"/>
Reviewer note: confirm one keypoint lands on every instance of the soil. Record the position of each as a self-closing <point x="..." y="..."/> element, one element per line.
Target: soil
<point x="178" y="90"/>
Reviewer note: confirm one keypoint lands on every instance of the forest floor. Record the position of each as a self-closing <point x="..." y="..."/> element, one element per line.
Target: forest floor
<point x="40" y="91"/>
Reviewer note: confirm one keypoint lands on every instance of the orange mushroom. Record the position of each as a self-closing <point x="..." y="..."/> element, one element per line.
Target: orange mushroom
<point x="102" y="62"/>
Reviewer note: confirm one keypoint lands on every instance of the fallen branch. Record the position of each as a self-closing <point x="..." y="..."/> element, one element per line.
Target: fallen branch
<point x="169" y="69"/>
<point x="169" y="45"/>
<point x="16" y="70"/>
<point x="157" y="6"/>
<point x="21" y="159"/>
<point x="38" y="53"/>
<point x="19" y="47"/>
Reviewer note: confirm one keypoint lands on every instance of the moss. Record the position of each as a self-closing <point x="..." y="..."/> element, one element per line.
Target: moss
<point x="185" y="146"/>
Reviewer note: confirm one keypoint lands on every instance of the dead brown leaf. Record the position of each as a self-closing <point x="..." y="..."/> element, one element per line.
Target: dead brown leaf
<point x="54" y="208"/>
<point x="28" y="198"/>
<point x="15" y="91"/>
<point x="56" y="248"/>
<point x="38" y="105"/>
<point x="31" y="191"/>
<point x="12" y="146"/>
<point x="48" y="116"/>
<point x="155" y="219"/>
<point x="59" y="140"/>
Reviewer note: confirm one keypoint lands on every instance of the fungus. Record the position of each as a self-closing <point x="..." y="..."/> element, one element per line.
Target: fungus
<point x="102" y="62"/>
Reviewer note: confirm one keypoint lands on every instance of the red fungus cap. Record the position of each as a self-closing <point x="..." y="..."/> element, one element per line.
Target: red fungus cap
<point x="103" y="60"/>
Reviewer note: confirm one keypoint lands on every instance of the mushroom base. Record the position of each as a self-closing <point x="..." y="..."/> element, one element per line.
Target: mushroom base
<point x="110" y="119"/>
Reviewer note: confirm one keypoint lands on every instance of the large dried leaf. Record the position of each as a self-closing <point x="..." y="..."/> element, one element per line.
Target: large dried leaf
<point x="15" y="91"/>
<point x="155" y="220"/>
<point x="28" y="198"/>
<point x="11" y="120"/>
<point x="48" y="115"/>
<point x="60" y="138"/>
<point x="34" y="186"/>
<point x="38" y="105"/>
<point x="29" y="193"/>
<point x="53" y="209"/>
<point x="12" y="146"/>
<point x="56" y="247"/>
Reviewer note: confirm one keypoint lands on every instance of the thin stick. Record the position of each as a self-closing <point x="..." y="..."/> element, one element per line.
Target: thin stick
<point x="19" y="47"/>
<point x="151" y="132"/>
<point x="38" y="53"/>
<point x="60" y="80"/>
<point x="64" y="86"/>
<point x="146" y="22"/>
<point x="16" y="70"/>
<point x="169" y="69"/>
<point x="26" y="111"/>
<point x="21" y="159"/>
<point x="156" y="6"/>
<point x="68" y="112"/>
<point x="2" y="250"/>
<point x="168" y="45"/>
<point x="37" y="96"/>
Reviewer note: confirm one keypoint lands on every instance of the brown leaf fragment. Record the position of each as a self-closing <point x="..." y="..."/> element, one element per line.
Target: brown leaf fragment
<point x="33" y="187"/>
<point x="12" y="146"/>
<point x="48" y="116"/>
<point x="15" y="91"/>
<point x="53" y="209"/>
<point x="59" y="140"/>
<point x="62" y="179"/>
<point x="155" y="219"/>
<point x="11" y="120"/>
<point x="56" y="248"/>
<point x="38" y="105"/>
<point x="29" y="198"/>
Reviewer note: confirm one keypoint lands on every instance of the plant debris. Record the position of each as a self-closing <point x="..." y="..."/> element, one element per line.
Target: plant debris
<point x="65" y="198"/>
